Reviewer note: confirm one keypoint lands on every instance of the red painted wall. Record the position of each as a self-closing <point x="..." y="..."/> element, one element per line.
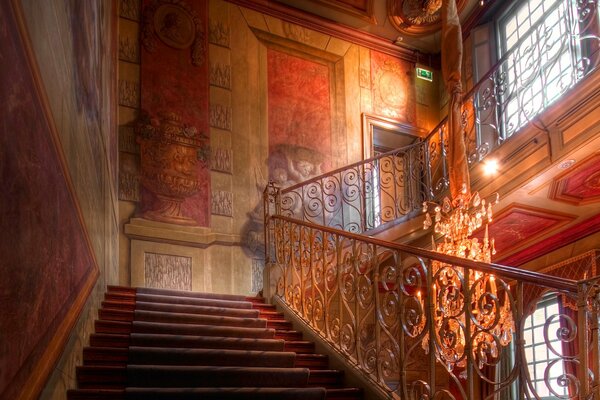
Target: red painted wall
<point x="393" y="88"/>
<point x="46" y="260"/>
<point x="170" y="82"/>
<point x="299" y="102"/>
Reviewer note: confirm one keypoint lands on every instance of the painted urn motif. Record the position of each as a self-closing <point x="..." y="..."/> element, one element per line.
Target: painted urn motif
<point x="169" y="157"/>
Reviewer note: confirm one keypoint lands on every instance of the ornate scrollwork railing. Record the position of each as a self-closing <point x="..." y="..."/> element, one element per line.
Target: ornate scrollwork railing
<point x="364" y="195"/>
<point x="548" y="61"/>
<point x="371" y="300"/>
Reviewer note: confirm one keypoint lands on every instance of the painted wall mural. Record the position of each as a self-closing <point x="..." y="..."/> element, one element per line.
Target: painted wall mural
<point x="174" y="76"/>
<point x="39" y="212"/>
<point x="393" y="88"/>
<point x="299" y="100"/>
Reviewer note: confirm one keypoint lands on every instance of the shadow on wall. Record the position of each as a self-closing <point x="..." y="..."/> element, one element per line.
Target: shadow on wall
<point x="288" y="165"/>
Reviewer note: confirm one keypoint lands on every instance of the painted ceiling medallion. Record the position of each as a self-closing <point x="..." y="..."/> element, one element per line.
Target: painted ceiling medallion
<point x="417" y="17"/>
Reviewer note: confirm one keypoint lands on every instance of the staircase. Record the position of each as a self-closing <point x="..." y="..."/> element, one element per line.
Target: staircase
<point x="167" y="344"/>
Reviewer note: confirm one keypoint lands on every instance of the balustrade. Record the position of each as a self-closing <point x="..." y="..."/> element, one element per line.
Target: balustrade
<point x="413" y="322"/>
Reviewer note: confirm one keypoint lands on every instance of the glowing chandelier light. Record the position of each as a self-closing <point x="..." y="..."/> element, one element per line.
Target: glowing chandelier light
<point x="457" y="295"/>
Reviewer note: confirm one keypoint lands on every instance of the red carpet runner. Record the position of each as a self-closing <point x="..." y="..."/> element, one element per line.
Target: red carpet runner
<point x="166" y="344"/>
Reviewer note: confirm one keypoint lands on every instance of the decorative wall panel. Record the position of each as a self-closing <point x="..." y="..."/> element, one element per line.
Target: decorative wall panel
<point x="219" y="33"/>
<point x="129" y="49"/>
<point x="258" y="265"/>
<point x="220" y="75"/>
<point x="127" y="141"/>
<point x="300" y="117"/>
<point x="393" y="87"/>
<point x="222" y="203"/>
<point x="220" y="116"/>
<point x="221" y="160"/>
<point x="129" y="177"/>
<point x="174" y="75"/>
<point x="129" y="94"/>
<point x="47" y="264"/>
<point x="130" y="9"/>
<point x="165" y="271"/>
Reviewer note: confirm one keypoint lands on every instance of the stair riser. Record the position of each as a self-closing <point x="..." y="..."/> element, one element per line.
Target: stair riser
<point x="163" y="307"/>
<point x="102" y="356"/>
<point x="108" y="314"/>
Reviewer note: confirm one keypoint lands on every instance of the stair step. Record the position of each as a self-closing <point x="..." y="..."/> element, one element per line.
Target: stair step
<point x="115" y="356"/>
<point x="326" y="378"/>
<point x="185" y="293"/>
<point x="110" y="314"/>
<point x="300" y="346"/>
<point x="121" y="297"/>
<point x="119" y="327"/>
<point x="164" y="344"/>
<point x="216" y="394"/>
<point x="344" y="394"/>
<point x="113" y="327"/>
<point x="181" y="308"/>
<point x="312" y="361"/>
<point x="280" y="324"/>
<point x="227" y="394"/>
<point x="192" y="357"/>
<point x="206" y="342"/>
<point x="187" y="376"/>
<point x="288" y="335"/>
<point x="193" y="301"/>
<point x="95" y="394"/>
<point x="101" y="377"/>
<point x="264" y="306"/>
<point x="276" y="315"/>
<point x="202" y="330"/>
<point x="109" y="340"/>
<point x="121" y="289"/>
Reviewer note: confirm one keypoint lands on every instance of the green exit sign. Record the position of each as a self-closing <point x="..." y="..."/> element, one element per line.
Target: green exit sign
<point x="424" y="74"/>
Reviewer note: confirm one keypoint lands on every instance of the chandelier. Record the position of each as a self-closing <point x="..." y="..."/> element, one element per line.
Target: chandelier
<point x="461" y="297"/>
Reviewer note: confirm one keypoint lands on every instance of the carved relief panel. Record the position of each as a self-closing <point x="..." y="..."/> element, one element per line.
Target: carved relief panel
<point x="222" y="203"/>
<point x="166" y="271"/>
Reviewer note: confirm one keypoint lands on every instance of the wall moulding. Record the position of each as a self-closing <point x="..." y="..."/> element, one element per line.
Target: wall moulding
<point x="220" y="117"/>
<point x="221" y="160"/>
<point x="130" y="9"/>
<point x="220" y="75"/>
<point x="127" y="140"/>
<point x="222" y="203"/>
<point x="129" y="50"/>
<point x="129" y="94"/>
<point x="218" y="33"/>
<point x="296" y="16"/>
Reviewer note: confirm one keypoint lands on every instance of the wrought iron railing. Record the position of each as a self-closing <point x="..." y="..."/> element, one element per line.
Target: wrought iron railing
<point x="373" y="302"/>
<point x="547" y="62"/>
<point x="364" y="195"/>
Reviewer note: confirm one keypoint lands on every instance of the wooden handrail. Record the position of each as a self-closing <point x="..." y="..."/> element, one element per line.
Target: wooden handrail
<point x="552" y="282"/>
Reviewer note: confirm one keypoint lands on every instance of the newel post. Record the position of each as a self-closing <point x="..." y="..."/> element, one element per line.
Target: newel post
<point x="272" y="206"/>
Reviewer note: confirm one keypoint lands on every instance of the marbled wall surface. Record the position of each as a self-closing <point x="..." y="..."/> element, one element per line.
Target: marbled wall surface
<point x="70" y="47"/>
